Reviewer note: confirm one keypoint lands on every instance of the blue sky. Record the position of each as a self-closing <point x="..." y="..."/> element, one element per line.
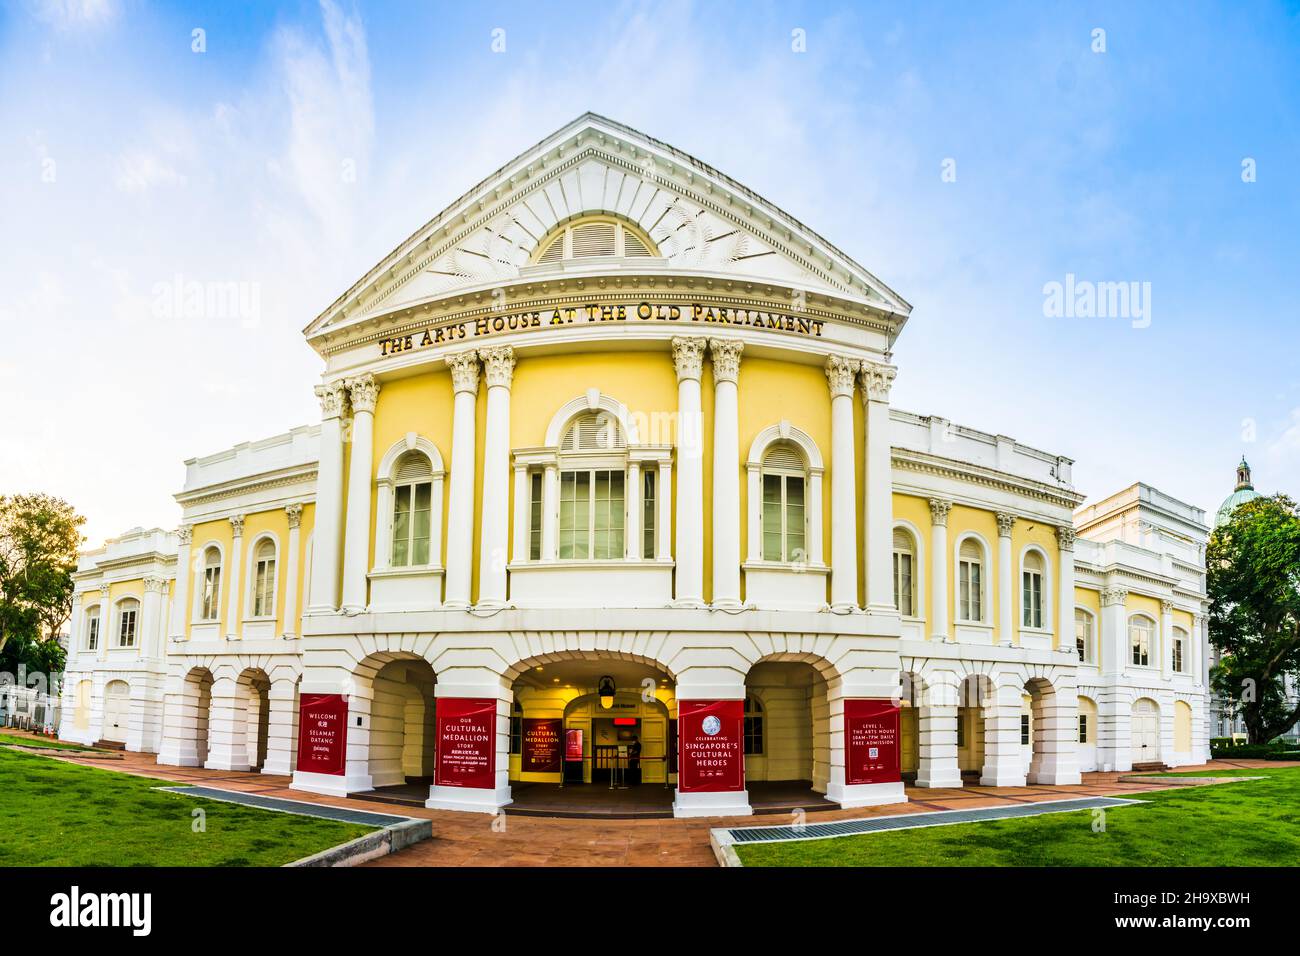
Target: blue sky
<point x="128" y="159"/>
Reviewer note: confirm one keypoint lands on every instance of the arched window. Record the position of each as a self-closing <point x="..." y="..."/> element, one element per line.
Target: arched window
<point x="753" y="730"/>
<point x="593" y="464"/>
<point x="970" y="581"/>
<point x="784" y="518"/>
<point x="128" y="614"/>
<point x="904" y="572"/>
<point x="92" y="628"/>
<point x="412" y="510"/>
<point x="264" y="579"/>
<point x="1141" y="637"/>
<point x="1179" y="650"/>
<point x="210" y="586"/>
<point x="1085" y="636"/>
<point x="595" y="237"/>
<point x="1032" y="575"/>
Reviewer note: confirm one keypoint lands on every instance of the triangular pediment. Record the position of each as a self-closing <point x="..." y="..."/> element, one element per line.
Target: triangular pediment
<point x="697" y="219"/>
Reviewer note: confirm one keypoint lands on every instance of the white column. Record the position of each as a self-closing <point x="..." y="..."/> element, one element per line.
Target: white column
<point x="688" y="358"/>
<point x="363" y="391"/>
<point x="1114" y="631"/>
<point x="550" y="512"/>
<point x="1004" y="765"/>
<point x="498" y="371"/>
<point x="1006" y="580"/>
<point x="519" y="548"/>
<point x="1166" y="640"/>
<point x="840" y="373"/>
<point x="327" y="539"/>
<point x="632" y="529"/>
<point x="726" y="472"/>
<point x="282" y="727"/>
<point x="1065" y="591"/>
<point x="181" y="589"/>
<point x="664" y="524"/>
<point x="76" y="627"/>
<point x="936" y="721"/>
<point x="878" y="549"/>
<point x="1055" y="738"/>
<point x="939" y="568"/>
<point x="235" y="584"/>
<point x="148" y="643"/>
<point x="460" y="505"/>
<point x="227" y="728"/>
<point x="294" y="513"/>
<point x="105" y="623"/>
<point x="1200" y="651"/>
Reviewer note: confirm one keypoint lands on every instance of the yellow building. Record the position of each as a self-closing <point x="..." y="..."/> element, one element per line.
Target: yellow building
<point x="607" y="489"/>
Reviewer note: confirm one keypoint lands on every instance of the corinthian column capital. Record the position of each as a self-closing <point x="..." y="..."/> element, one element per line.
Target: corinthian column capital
<point x="363" y="391"/>
<point x="294" y="514"/>
<point x="840" y="372"/>
<point x="939" y="509"/>
<point x="498" y="365"/>
<point x="185" y="534"/>
<point x="464" y="371"/>
<point x="877" y="379"/>
<point x="1065" y="537"/>
<point x="688" y="356"/>
<point x="1005" y="523"/>
<point x="726" y="359"/>
<point x="331" y="397"/>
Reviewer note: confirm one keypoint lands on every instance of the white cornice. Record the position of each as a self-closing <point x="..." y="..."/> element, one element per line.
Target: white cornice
<point x="915" y="461"/>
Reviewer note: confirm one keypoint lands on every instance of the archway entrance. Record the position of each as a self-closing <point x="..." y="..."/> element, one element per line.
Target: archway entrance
<point x="593" y="737"/>
<point x="195" y="713"/>
<point x="787" y="737"/>
<point x="403" y="730"/>
<point x="974" y="697"/>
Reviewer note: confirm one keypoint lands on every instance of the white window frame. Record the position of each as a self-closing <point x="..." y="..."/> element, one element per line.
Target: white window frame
<point x="986" y="564"/>
<point x="250" y="598"/>
<point x="784" y="475"/>
<point x="200" y="579"/>
<point x="814" y="470"/>
<point x="1090" y="642"/>
<point x="1048" y="609"/>
<point x="120" y="610"/>
<point x="92" y="635"/>
<point x="386" y="484"/>
<point x="918" y="567"/>
<point x="1178" y="644"/>
<point x="1153" y="641"/>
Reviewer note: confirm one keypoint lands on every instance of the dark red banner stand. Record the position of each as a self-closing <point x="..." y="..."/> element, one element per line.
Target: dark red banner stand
<point x="466" y="751"/>
<point x="870" y="741"/>
<point x="322" y="733"/>
<point x="711" y="746"/>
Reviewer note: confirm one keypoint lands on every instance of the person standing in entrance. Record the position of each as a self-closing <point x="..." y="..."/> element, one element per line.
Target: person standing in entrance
<point x="634" y="759"/>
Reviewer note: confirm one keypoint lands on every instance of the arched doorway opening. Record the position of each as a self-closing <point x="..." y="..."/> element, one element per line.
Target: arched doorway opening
<point x="592" y="736"/>
<point x="974" y="701"/>
<point x="403" y="727"/>
<point x="196" y="712"/>
<point x="117" y="706"/>
<point x="252" y="690"/>
<point x="1037" y="702"/>
<point x="787" y="761"/>
<point x="911" y="698"/>
<point x="1145" y="732"/>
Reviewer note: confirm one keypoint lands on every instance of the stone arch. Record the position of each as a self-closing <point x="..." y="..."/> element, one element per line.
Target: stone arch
<point x="593" y="400"/>
<point x="394" y="690"/>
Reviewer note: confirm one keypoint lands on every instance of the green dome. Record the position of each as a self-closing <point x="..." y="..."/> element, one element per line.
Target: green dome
<point x="1244" y="492"/>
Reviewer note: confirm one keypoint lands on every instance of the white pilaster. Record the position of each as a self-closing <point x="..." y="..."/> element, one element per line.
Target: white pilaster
<point x="550" y="512"/>
<point x="1166" y="640"/>
<point x="688" y="357"/>
<point x="327" y="537"/>
<point x="235" y="585"/>
<point x="632" y="531"/>
<point x="181" y="589"/>
<point x="939" y="568"/>
<point x="498" y="371"/>
<point x="1065" y="591"/>
<point x="664" y="525"/>
<point x="840" y="373"/>
<point x="294" y="513"/>
<point x="149" y="639"/>
<point x="363" y="392"/>
<point x="282" y="728"/>
<point x="1006" y="580"/>
<point x="460" y="504"/>
<point x="105" y="624"/>
<point x="519" y="541"/>
<point x="878" y="549"/>
<point x="1114" y="631"/>
<point x="726" y="472"/>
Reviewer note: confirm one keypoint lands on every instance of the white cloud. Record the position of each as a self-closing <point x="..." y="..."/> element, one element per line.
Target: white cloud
<point x="137" y="170"/>
<point x="74" y="14"/>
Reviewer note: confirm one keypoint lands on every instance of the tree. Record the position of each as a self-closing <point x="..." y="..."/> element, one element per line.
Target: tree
<point x="1253" y="580"/>
<point x="39" y="539"/>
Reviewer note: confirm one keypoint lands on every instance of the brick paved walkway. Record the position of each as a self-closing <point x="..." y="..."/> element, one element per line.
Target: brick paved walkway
<point x="472" y="839"/>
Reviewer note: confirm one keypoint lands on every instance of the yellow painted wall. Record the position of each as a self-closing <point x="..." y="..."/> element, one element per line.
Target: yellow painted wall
<point x="917" y="511"/>
<point x="961" y="520"/>
<point x="1088" y="708"/>
<point x="1025" y="532"/>
<point x="1182" y="727"/>
<point x="205" y="533"/>
<point x="1091" y="600"/>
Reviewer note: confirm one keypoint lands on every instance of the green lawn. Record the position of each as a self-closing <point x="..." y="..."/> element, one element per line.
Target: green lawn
<point x="45" y="743"/>
<point x="1252" y="823"/>
<point x="60" y="814"/>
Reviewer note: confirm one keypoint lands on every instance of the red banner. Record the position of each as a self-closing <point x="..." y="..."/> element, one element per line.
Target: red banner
<point x="573" y="745"/>
<point x="467" y="747"/>
<point x="870" y="741"/>
<point x="541" y="745"/>
<point x="711" y="748"/>
<point x="322" y="733"/>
